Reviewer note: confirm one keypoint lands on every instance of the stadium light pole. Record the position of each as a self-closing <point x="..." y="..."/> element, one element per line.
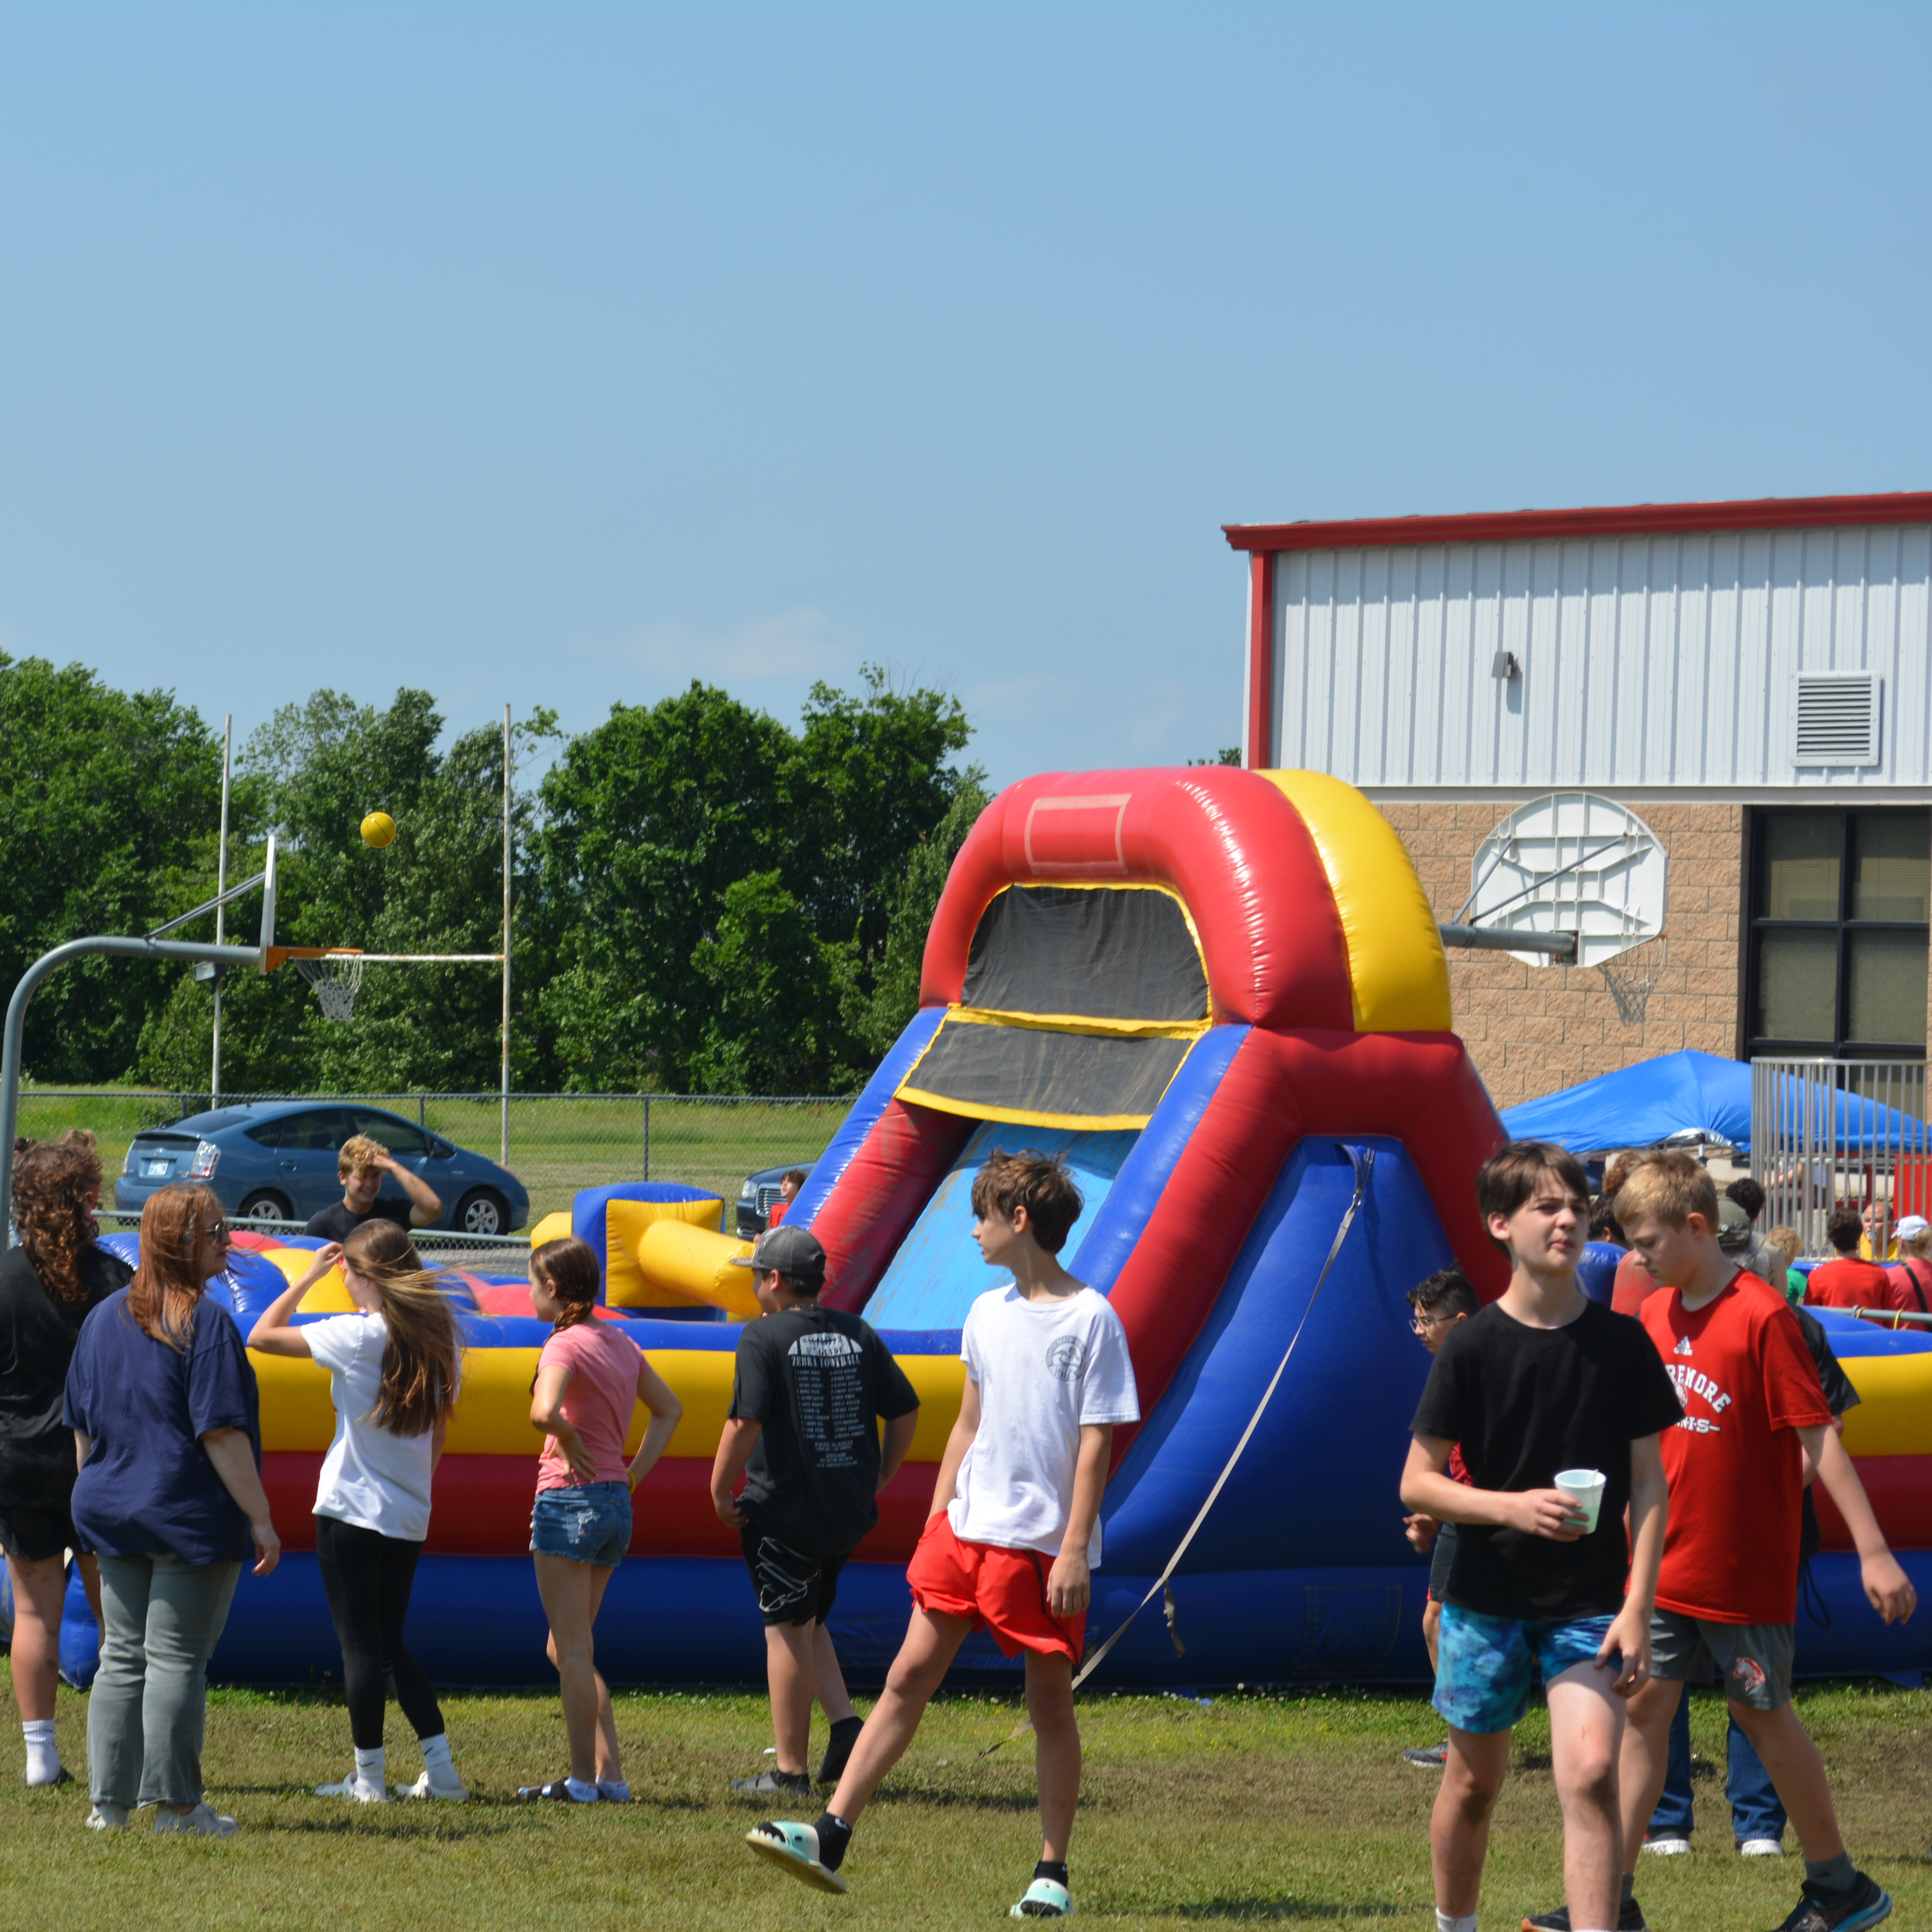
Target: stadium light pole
<point x="220" y="902"/>
<point x="503" y="1150"/>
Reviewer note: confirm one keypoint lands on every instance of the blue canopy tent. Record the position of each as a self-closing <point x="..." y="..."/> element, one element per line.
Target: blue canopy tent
<point x="1689" y="1097"/>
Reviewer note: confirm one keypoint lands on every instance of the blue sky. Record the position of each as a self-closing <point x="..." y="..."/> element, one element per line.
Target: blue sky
<point x="559" y="354"/>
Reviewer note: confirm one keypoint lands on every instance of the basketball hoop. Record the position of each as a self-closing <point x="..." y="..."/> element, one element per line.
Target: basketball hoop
<point x="335" y="977"/>
<point x="1632" y="976"/>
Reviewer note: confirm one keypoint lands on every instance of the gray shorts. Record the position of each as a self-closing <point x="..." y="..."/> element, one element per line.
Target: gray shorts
<point x="1753" y="1659"/>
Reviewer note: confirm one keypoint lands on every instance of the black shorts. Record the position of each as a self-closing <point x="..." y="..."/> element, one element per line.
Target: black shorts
<point x="1440" y="1558"/>
<point x="793" y="1588"/>
<point x="34" y="1534"/>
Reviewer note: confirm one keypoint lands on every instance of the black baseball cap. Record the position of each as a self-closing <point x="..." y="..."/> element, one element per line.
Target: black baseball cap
<point x="795" y="1251"/>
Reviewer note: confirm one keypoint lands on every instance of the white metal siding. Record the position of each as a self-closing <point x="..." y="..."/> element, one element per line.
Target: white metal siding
<point x="1667" y="661"/>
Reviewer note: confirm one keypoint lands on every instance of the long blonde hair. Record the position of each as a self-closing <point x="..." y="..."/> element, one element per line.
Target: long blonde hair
<point x="167" y="1288"/>
<point x="422" y="1360"/>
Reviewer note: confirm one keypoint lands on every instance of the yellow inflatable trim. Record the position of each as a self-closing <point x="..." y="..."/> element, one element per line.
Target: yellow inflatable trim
<point x="1893" y="1417"/>
<point x="329" y="1296"/>
<point x="677" y="1261"/>
<point x="626" y="1223"/>
<point x="1398" y="977"/>
<point x="493" y="1414"/>
<point x="552" y="1227"/>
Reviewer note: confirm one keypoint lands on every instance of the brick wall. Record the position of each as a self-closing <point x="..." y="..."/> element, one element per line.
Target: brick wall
<point x="1533" y="1029"/>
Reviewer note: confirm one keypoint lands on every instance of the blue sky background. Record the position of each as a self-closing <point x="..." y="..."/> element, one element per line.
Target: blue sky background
<point x="562" y="353"/>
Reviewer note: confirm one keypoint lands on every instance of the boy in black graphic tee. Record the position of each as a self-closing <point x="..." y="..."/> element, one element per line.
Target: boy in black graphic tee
<point x="810" y="1385"/>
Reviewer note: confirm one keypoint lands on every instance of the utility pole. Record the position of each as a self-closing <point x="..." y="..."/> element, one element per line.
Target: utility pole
<point x="503" y="1151"/>
<point x="220" y="909"/>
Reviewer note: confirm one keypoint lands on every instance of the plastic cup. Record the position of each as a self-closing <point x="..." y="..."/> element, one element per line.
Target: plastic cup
<point x="1584" y="1488"/>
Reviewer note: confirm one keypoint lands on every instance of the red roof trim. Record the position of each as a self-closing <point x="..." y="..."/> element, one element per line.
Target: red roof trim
<point x="1763" y="513"/>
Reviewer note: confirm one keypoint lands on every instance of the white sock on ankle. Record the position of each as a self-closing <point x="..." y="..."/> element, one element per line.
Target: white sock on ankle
<point x="370" y="1768"/>
<point x="44" y="1762"/>
<point x="1443" y="1923"/>
<point x="437" y="1760"/>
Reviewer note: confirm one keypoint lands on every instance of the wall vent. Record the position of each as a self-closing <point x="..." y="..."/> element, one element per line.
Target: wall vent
<point x="1838" y="718"/>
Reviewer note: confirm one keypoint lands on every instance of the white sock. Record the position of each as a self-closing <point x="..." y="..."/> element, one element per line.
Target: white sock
<point x="44" y="1762"/>
<point x="437" y="1760"/>
<point x="369" y="1767"/>
<point x="584" y="1794"/>
<point x="1443" y="1923"/>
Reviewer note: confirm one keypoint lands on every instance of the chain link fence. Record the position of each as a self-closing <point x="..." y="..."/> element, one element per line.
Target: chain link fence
<point x="558" y="1142"/>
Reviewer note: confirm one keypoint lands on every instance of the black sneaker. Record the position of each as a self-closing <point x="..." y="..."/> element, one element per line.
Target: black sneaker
<point x="773" y="1784"/>
<point x="839" y="1749"/>
<point x="1428" y="1757"/>
<point x="1630" y="1919"/>
<point x="1863" y="1905"/>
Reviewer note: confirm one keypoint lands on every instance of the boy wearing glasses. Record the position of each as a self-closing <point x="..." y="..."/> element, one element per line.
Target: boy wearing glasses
<point x="1437" y="1303"/>
<point x="360" y="1167"/>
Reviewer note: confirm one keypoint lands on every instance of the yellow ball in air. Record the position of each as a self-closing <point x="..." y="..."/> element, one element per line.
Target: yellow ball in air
<point x="378" y="829"/>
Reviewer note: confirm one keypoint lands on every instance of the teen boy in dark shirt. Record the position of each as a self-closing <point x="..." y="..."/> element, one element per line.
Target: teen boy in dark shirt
<point x="810" y="1386"/>
<point x="360" y="1167"/>
<point x="1543" y="1380"/>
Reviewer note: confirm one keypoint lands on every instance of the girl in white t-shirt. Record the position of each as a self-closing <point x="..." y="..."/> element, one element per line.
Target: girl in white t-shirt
<point x="394" y="1371"/>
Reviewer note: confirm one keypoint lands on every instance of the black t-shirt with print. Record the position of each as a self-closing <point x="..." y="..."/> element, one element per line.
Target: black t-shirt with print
<point x="1525" y="1403"/>
<point x="817" y="1380"/>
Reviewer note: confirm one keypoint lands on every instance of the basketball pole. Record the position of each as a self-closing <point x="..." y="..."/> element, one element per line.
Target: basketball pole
<point x="503" y="1150"/>
<point x="220" y="909"/>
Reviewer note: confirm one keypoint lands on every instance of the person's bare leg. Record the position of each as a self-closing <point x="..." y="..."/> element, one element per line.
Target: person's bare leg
<point x="1458" y="1827"/>
<point x="610" y="1765"/>
<point x="790" y="1672"/>
<point x="565" y="1588"/>
<point x="1049" y="1690"/>
<point x="1432" y="1622"/>
<point x="90" y="1582"/>
<point x="1797" y="1774"/>
<point x="1644" y="1762"/>
<point x="40" y="1591"/>
<point x="828" y="1680"/>
<point x="1586" y="1733"/>
<point x="931" y="1643"/>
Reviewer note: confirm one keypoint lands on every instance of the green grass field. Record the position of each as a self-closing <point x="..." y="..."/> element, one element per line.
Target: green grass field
<point x="1294" y="1810"/>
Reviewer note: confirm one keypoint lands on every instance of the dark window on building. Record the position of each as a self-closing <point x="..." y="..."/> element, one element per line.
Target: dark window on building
<point x="1841" y="923"/>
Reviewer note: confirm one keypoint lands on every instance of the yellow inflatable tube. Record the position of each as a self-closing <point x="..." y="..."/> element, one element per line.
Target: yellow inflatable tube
<point x="1893" y="1417"/>
<point x="696" y="1263"/>
<point x="493" y="1414"/>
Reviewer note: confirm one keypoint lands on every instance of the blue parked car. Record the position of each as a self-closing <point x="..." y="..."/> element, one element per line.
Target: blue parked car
<point x="274" y="1160"/>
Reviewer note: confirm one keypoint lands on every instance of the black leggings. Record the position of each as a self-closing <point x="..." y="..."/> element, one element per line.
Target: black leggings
<point x="366" y="1576"/>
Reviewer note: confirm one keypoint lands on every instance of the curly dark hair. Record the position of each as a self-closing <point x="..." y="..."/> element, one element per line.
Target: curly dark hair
<point x="52" y="1180"/>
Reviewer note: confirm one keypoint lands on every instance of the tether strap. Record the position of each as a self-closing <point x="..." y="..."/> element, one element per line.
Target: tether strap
<point x="1363" y="1164"/>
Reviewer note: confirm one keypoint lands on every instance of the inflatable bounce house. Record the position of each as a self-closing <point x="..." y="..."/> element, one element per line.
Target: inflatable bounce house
<point x="1221" y="998"/>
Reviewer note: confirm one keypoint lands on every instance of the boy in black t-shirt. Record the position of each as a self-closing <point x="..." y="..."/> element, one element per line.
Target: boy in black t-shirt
<point x="1543" y="1381"/>
<point x="808" y="1389"/>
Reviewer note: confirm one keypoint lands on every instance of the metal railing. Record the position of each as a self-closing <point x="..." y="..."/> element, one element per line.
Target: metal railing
<point x="559" y="1142"/>
<point x="1831" y="1133"/>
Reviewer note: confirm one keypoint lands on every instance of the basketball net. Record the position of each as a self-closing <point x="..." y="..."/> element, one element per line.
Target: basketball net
<point x="335" y="978"/>
<point x="1632" y="977"/>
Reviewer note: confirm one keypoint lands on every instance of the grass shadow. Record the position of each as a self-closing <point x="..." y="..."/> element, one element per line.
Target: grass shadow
<point x="1266" y="1909"/>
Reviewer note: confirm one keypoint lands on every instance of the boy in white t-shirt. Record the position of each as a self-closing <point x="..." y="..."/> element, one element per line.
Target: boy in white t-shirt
<point x="1015" y="1532"/>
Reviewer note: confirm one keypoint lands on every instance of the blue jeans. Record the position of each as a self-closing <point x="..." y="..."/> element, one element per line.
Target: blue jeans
<point x="1755" y="1810"/>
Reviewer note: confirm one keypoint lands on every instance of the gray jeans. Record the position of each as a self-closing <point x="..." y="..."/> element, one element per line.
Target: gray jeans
<point x="149" y="1704"/>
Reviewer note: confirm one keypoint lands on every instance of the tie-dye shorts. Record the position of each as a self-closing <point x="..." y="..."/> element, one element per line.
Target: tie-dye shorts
<point x="1484" y="1664"/>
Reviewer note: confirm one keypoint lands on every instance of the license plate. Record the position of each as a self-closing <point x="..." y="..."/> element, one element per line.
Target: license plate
<point x="156" y="1166"/>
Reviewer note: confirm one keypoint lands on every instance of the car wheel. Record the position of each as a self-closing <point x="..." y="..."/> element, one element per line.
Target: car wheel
<point x="265" y="1205"/>
<point x="482" y="1211"/>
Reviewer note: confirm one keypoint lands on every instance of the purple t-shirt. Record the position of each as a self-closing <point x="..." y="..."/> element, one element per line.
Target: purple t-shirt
<point x="147" y="1486"/>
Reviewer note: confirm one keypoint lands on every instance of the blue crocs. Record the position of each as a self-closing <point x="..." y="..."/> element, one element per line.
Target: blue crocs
<point x="794" y="1848"/>
<point x="1045" y="1898"/>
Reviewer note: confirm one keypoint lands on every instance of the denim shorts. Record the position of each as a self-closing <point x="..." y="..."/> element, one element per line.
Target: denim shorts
<point x="1484" y="1664"/>
<point x="589" y="1523"/>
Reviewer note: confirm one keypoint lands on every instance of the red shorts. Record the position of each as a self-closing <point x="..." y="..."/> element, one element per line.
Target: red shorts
<point x="994" y="1588"/>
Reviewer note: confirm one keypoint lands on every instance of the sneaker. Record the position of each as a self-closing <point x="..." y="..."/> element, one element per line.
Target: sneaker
<point x="837" y="1753"/>
<point x="1667" y="1844"/>
<point x="359" y="1790"/>
<point x="1630" y="1919"/>
<point x="426" y="1787"/>
<point x="1761" y="1848"/>
<point x="108" y="1818"/>
<point x="201" y="1823"/>
<point x="1863" y="1905"/>
<point x="773" y="1784"/>
<point x="1428" y="1757"/>
<point x="1045" y="1898"/>
<point x="614" y="1791"/>
<point x="62" y="1776"/>
<point x="794" y="1848"/>
<point x="559" y="1789"/>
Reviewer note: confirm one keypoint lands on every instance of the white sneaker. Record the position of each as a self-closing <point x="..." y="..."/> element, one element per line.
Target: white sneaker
<point x="1668" y="1845"/>
<point x="426" y="1787"/>
<point x="352" y="1786"/>
<point x="201" y="1823"/>
<point x="1762" y="1848"/>
<point x="108" y="1818"/>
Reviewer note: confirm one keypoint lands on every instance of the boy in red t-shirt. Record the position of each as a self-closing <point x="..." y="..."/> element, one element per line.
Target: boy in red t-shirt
<point x="1848" y="1281"/>
<point x="1755" y="1417"/>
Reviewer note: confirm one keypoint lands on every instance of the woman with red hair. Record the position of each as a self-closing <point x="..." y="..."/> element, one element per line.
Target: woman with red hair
<point x="47" y="1286"/>
<point x="163" y="1405"/>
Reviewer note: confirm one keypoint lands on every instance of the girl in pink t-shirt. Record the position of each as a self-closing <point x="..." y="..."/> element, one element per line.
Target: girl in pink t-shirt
<point x="589" y="1377"/>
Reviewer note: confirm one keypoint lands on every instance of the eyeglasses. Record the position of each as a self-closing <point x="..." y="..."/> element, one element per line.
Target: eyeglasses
<point x="1421" y="1324"/>
<point x="219" y="1232"/>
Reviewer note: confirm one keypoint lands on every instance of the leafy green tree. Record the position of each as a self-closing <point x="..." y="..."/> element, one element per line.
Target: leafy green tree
<point x="108" y="801"/>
